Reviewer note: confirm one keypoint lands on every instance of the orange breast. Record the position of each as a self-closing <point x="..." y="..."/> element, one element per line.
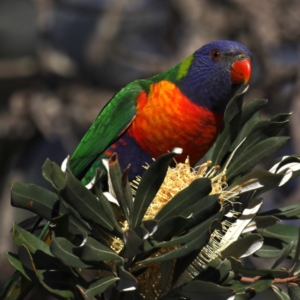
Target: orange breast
<point x="166" y="119"/>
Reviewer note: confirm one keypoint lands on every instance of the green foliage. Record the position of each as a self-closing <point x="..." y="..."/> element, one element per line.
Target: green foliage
<point x="195" y="239"/>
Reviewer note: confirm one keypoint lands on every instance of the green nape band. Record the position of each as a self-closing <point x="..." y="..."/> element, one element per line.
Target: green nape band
<point x="184" y="67"/>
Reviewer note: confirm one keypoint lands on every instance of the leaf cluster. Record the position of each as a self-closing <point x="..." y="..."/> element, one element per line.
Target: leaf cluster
<point x="79" y="261"/>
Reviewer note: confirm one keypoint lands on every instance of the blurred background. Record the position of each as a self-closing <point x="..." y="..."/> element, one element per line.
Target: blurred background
<point x="61" y="61"/>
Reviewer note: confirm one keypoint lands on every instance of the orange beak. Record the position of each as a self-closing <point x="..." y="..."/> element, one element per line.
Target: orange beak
<point x="241" y="71"/>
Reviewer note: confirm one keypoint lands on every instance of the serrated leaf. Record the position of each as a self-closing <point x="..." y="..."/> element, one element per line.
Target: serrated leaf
<point x="149" y="186"/>
<point x="197" y="289"/>
<point x="253" y="156"/>
<point x="198" y="189"/>
<point x="95" y="287"/>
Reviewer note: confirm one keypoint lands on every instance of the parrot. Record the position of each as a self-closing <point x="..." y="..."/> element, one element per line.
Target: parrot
<point x="181" y="107"/>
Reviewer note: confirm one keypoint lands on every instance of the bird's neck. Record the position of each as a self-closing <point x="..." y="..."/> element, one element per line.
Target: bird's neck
<point x="207" y="88"/>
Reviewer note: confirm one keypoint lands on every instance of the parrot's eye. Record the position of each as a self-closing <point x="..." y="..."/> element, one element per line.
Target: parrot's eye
<point x="215" y="54"/>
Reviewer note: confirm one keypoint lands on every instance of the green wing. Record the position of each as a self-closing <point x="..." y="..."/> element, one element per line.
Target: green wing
<point x="110" y="123"/>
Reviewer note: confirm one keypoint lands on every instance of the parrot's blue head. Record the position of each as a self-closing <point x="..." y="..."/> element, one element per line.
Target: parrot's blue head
<point x="217" y="70"/>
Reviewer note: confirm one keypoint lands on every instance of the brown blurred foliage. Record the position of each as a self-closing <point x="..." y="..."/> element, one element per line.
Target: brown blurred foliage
<point x="61" y="61"/>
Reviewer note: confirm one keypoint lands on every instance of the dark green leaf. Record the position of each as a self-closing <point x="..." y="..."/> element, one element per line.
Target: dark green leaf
<point x="297" y="254"/>
<point x="67" y="253"/>
<point x="280" y="295"/>
<point x="85" y="202"/>
<point x="33" y="243"/>
<point x="272" y="250"/>
<point x="263" y="272"/>
<point x="36" y="199"/>
<point x="95" y="287"/>
<point x="107" y="208"/>
<point x="288" y="212"/>
<point x="194" y="240"/>
<point x="182" y="273"/>
<point x="283" y="117"/>
<point x="170" y="227"/>
<point x="166" y="268"/>
<point x="258" y="285"/>
<point x="45" y="204"/>
<point x="58" y="283"/>
<point x="248" y="244"/>
<point x="265" y="221"/>
<point x="283" y="232"/>
<point x="243" y="296"/>
<point x="94" y="251"/>
<point x="285" y="253"/>
<point x="234" y="108"/>
<point x="132" y="243"/>
<point x="53" y="173"/>
<point x="61" y="226"/>
<point x="216" y="271"/>
<point x="127" y="281"/>
<point x="253" y="156"/>
<point x="193" y="233"/>
<point x="231" y="125"/>
<point x="294" y="292"/>
<point x="149" y="186"/>
<point x="197" y="289"/>
<point x="127" y="191"/>
<point x="250" y="116"/>
<point x="16" y="263"/>
<point x="256" y="180"/>
<point x="116" y="179"/>
<point x="198" y="189"/>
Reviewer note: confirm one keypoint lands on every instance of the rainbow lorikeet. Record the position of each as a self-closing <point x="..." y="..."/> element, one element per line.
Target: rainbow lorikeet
<point x="181" y="107"/>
